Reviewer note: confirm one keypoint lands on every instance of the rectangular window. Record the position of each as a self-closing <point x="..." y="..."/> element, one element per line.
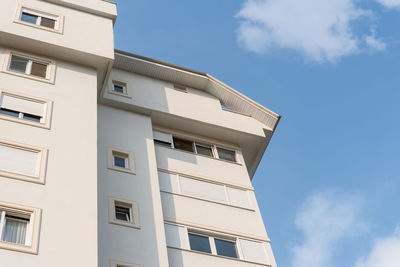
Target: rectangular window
<point x="205" y="150"/>
<point x="19" y="227"/>
<point x="123" y="212"/>
<point x="120" y="160"/>
<point x="213" y="245"/>
<point x="25" y="109"/>
<point x="225" y="248"/>
<point x="226" y="154"/>
<point x="162" y="139"/>
<point x="35" y="68"/>
<point x="183" y="144"/>
<point x="199" y="243"/>
<point x="22" y="162"/>
<point x="39" y="19"/>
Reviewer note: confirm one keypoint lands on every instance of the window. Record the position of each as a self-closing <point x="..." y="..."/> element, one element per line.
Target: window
<point x="123" y="264"/>
<point x="199" y="243"/>
<point x="226" y="154"/>
<point x="123" y="212"/>
<point x="24" y="109"/>
<point x="19" y="227"/>
<point x="183" y="144"/>
<point x="119" y="88"/>
<point x="40" y="19"/>
<point x="214" y="151"/>
<point x="32" y="67"/>
<point x="209" y="244"/>
<point x="119" y="160"/>
<point x="23" y="162"/>
<point x="225" y="248"/>
<point x="180" y="87"/>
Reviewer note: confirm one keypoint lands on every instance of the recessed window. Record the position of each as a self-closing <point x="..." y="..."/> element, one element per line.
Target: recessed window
<point x="124" y="212"/>
<point x="205" y="150"/>
<point x="30" y="66"/>
<point x="39" y="19"/>
<point x="183" y="144"/>
<point x="19" y="227"/>
<point x="119" y="88"/>
<point x="25" y="109"/>
<point x="226" y="154"/>
<point x="120" y="160"/>
<point x="22" y="162"/>
<point x="162" y="139"/>
<point x="180" y="87"/>
<point x="225" y="248"/>
<point x="199" y="243"/>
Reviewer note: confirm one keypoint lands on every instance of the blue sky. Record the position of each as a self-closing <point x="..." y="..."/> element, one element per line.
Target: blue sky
<point x="328" y="186"/>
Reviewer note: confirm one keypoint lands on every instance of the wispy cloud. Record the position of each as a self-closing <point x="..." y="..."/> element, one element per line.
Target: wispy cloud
<point x="325" y="218"/>
<point x="321" y="30"/>
<point x="385" y="253"/>
<point x="390" y="3"/>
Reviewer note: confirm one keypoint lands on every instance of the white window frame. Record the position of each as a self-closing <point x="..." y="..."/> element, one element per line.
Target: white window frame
<point x="50" y="72"/>
<point x="126" y="90"/>
<point x="114" y="263"/>
<point x="46" y="118"/>
<point x="32" y="231"/>
<point x="134" y="221"/>
<point x="39" y="177"/>
<point x="59" y="20"/>
<point x="129" y="160"/>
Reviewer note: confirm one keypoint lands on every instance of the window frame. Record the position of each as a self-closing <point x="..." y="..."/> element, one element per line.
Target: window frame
<point x="32" y="231"/>
<point x="48" y="106"/>
<point x="58" y="24"/>
<point x="129" y="160"/>
<point x="124" y="84"/>
<point x="50" y="70"/>
<point x="134" y="221"/>
<point x="115" y="263"/>
<point x="39" y="178"/>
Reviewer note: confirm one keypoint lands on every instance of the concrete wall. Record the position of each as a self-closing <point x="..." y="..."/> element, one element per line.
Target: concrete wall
<point x="68" y="199"/>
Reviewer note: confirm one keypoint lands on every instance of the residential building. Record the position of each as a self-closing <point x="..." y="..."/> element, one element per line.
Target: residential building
<point x="111" y="159"/>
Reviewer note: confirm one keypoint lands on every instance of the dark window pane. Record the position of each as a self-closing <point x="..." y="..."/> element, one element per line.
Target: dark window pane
<point x="118" y="88"/>
<point x="226" y="154"/>
<point x="39" y="69"/>
<point x="18" y="63"/>
<point x="29" y="18"/>
<point x="225" y="248"/>
<point x="49" y="23"/>
<point x="199" y="243"/>
<point x="183" y="144"/>
<point x="9" y="112"/>
<point x="162" y="143"/>
<point x="204" y="150"/>
<point x="122" y="213"/>
<point x="31" y="117"/>
<point x="119" y="162"/>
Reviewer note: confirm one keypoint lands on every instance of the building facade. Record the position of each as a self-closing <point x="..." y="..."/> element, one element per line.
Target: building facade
<point x="110" y="159"/>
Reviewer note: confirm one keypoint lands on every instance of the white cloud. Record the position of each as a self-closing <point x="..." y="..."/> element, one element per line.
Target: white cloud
<point x="325" y="218"/>
<point x="321" y="29"/>
<point x="385" y="253"/>
<point x="390" y="3"/>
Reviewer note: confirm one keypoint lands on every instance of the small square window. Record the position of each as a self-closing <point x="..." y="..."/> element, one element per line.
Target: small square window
<point x="123" y="212"/>
<point x="119" y="88"/>
<point x="19" y="227"/>
<point x="120" y="160"/>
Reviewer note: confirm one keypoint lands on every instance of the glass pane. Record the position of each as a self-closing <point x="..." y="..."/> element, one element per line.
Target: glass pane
<point x="119" y="162"/>
<point x="39" y="69"/>
<point x="122" y="213"/>
<point x="225" y="248"/>
<point x="14" y="231"/>
<point x="226" y="154"/>
<point x="118" y="88"/>
<point x="29" y="18"/>
<point x="31" y="117"/>
<point x="183" y="144"/>
<point x="49" y="23"/>
<point x="162" y="143"/>
<point x="18" y="63"/>
<point x="204" y="150"/>
<point x="9" y="112"/>
<point x="199" y="243"/>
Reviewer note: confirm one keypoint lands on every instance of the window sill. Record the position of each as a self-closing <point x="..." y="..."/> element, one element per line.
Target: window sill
<point x="125" y="170"/>
<point x="27" y="122"/>
<point x="59" y="31"/>
<point x="18" y="248"/>
<point x="127" y="224"/>
<point x="31" y="77"/>
<point x="119" y="94"/>
<point x="218" y="256"/>
<point x="196" y="154"/>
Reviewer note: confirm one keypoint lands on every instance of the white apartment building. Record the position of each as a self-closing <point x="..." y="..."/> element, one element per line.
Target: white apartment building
<point x="110" y="159"/>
